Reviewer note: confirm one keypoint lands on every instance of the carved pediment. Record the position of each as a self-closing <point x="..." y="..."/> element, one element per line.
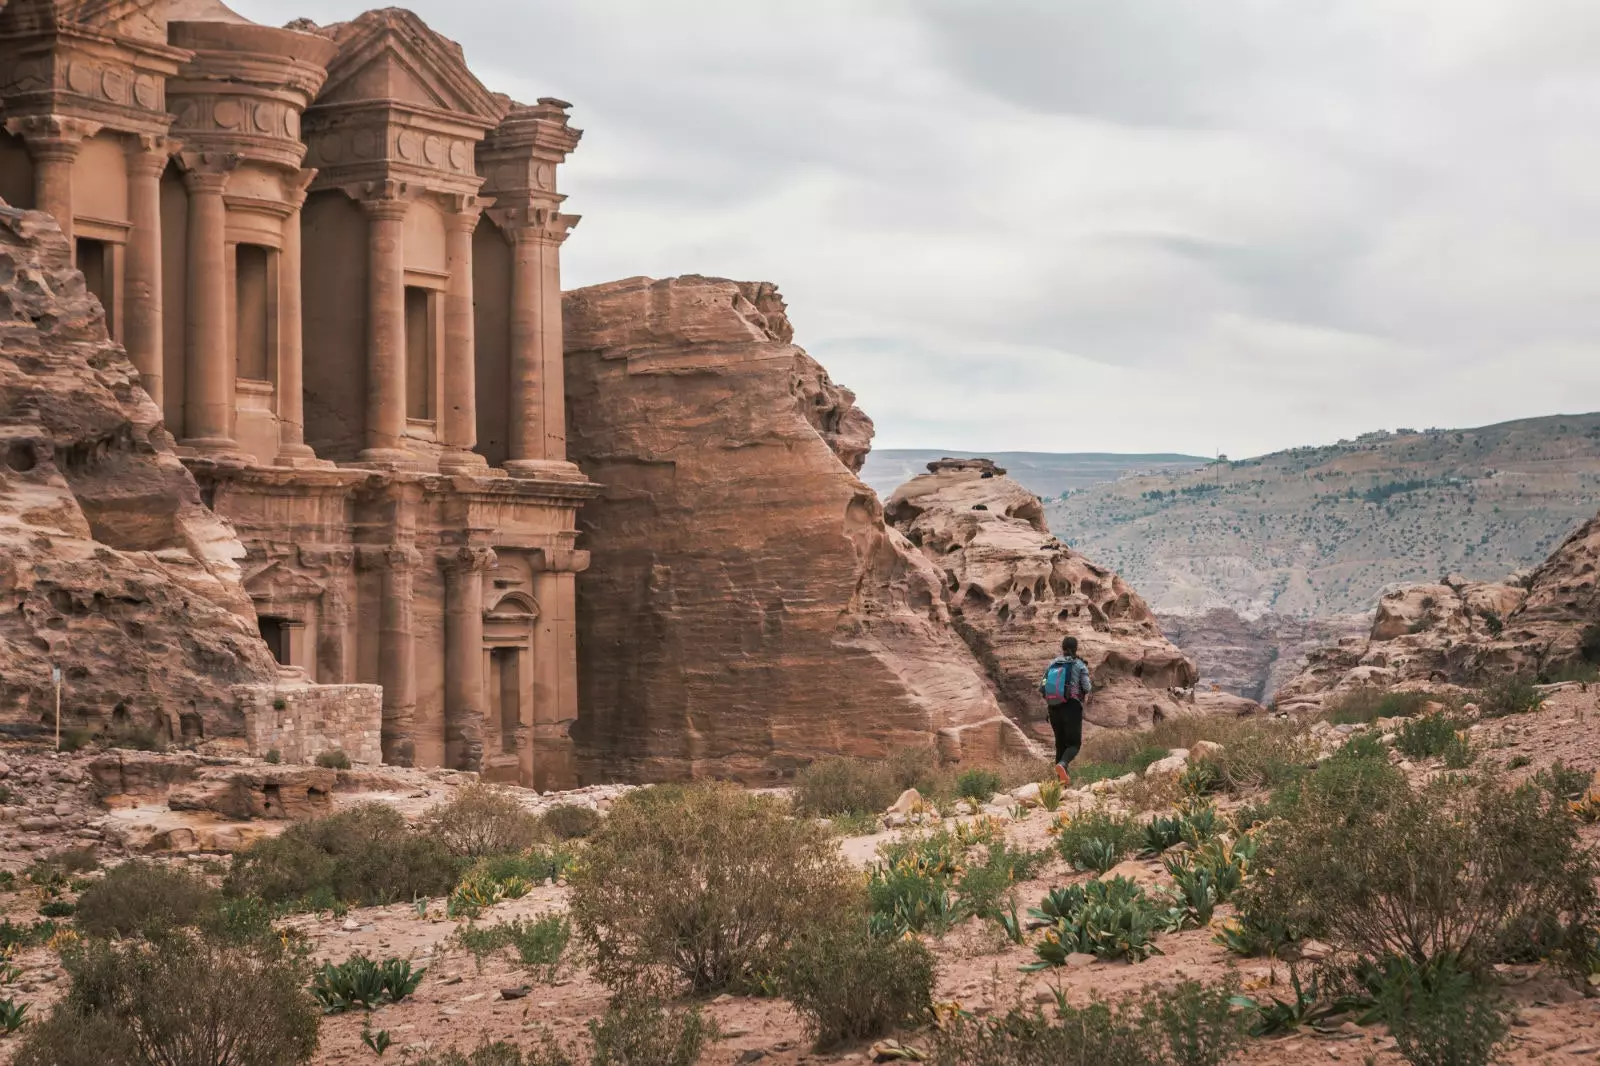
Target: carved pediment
<point x="277" y="581"/>
<point x="392" y="55"/>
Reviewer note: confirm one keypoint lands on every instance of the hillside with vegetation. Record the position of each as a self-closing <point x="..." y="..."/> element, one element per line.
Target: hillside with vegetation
<point x="1320" y="531"/>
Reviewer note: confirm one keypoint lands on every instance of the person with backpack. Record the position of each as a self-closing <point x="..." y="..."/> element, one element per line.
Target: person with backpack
<point x="1065" y="686"/>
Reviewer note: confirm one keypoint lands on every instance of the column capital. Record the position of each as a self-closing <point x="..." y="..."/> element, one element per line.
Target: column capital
<point x="148" y="153"/>
<point x="382" y="199"/>
<point x="466" y="559"/>
<point x="463" y="211"/>
<point x="539" y="225"/>
<point x="295" y="184"/>
<point x="207" y="171"/>
<point x="559" y="560"/>
<point x="397" y="557"/>
<point x="54" y="137"/>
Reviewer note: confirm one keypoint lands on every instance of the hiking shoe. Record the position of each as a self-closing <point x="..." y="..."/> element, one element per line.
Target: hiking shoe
<point x="1061" y="772"/>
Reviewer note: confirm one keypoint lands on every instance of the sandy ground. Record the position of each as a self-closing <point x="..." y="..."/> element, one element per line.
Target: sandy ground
<point x="459" y="1002"/>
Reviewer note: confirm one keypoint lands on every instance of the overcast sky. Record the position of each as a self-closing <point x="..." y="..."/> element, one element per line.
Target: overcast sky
<point x="1119" y="225"/>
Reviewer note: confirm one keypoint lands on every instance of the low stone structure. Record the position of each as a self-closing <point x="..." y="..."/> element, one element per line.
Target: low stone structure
<point x="301" y="721"/>
<point x="333" y="256"/>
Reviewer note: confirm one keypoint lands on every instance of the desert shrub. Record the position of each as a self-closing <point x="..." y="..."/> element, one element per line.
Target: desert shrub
<point x="273" y="757"/>
<point x="76" y="860"/>
<point x="549" y="1052"/>
<point x="1188" y="1024"/>
<point x="638" y="1032"/>
<point x="1096" y="840"/>
<point x="363" y="855"/>
<point x="333" y="759"/>
<point x="831" y="787"/>
<point x="981" y="883"/>
<point x="570" y="821"/>
<point x="57" y="908"/>
<point x="1366" y="705"/>
<point x="977" y="784"/>
<point x="1050" y="795"/>
<point x="1267" y="756"/>
<point x="916" y="768"/>
<point x="16" y="935"/>
<point x="1508" y="696"/>
<point x="910" y="888"/>
<point x="539" y="942"/>
<point x="177" y="1000"/>
<point x="1427" y="737"/>
<point x="1562" y="781"/>
<point x="706" y="881"/>
<point x="848" y="983"/>
<point x="1113" y="919"/>
<point x="1440" y="1014"/>
<point x="1368" y="745"/>
<point x="1460" y="867"/>
<point x="362" y="982"/>
<point x="482" y="820"/>
<point x="141" y="898"/>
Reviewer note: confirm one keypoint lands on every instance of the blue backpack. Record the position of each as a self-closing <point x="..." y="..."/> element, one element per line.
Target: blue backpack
<point x="1061" y="682"/>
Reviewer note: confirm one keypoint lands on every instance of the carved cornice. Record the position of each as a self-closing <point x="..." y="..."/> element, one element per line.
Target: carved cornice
<point x="380" y="141"/>
<point x="559" y="560"/>
<point x="119" y="83"/>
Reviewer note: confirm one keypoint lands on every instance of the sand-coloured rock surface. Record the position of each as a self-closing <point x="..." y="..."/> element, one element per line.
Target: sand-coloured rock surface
<point x="111" y="568"/>
<point x="1014" y="590"/>
<point x="746" y="609"/>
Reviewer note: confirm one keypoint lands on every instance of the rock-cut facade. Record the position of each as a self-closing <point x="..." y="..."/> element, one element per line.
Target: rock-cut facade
<point x="333" y="257"/>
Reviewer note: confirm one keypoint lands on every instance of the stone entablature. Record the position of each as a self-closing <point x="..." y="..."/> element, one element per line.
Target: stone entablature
<point x="334" y="257"/>
<point x="301" y="721"/>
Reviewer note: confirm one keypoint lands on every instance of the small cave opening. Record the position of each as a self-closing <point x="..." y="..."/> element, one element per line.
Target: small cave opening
<point x="20" y="457"/>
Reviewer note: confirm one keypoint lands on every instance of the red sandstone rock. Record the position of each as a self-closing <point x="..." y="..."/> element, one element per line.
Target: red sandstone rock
<point x="746" y="609"/>
<point x="1015" y="590"/>
<point x="110" y="566"/>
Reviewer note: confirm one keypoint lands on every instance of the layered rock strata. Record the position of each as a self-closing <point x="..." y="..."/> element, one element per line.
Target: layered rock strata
<point x="1457" y="632"/>
<point x="747" y="608"/>
<point x="111" y="568"/>
<point x="1014" y="590"/>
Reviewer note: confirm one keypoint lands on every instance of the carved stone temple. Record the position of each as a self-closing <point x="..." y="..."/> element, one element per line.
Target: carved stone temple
<point x="334" y="257"/>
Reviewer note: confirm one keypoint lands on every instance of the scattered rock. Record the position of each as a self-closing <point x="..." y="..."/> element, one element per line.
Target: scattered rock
<point x="1174" y="763"/>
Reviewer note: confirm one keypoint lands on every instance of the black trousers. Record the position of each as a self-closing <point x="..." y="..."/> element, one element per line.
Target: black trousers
<point x="1066" y="721"/>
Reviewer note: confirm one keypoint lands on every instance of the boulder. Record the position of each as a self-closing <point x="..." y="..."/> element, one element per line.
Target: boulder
<point x="910" y="802"/>
<point x="1027" y="795"/>
<point x="1206" y="749"/>
<point x="1014" y="590"/>
<point x="112" y="569"/>
<point x="741" y="574"/>
<point x="1174" y="763"/>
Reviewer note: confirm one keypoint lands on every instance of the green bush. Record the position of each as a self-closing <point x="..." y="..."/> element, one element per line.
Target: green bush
<point x="1367" y="705"/>
<point x="1508" y="696"/>
<point x="273" y="757"/>
<point x="365" y="855"/>
<point x="840" y="786"/>
<point x="1441" y="1014"/>
<point x="483" y="820"/>
<point x="360" y="981"/>
<point x="178" y="1000"/>
<point x="910" y="888"/>
<point x="540" y="942"/>
<point x="1113" y="919"/>
<point x="1098" y="841"/>
<point x="977" y="784"/>
<point x="848" y="984"/>
<point x="570" y="821"/>
<point x="140" y="898"/>
<point x="1185" y="1025"/>
<point x="1430" y="736"/>
<point x="333" y="759"/>
<point x="708" y="882"/>
<point x="981" y="884"/>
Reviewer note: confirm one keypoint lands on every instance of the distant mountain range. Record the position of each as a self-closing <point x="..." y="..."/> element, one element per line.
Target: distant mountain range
<point x="1317" y="532"/>
<point x="1046" y="474"/>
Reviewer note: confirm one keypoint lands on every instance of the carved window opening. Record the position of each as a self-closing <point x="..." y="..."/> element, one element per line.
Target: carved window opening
<point x="252" y="316"/>
<point x="275" y="631"/>
<point x="95" y="261"/>
<point x="505" y="675"/>
<point x="421" y="351"/>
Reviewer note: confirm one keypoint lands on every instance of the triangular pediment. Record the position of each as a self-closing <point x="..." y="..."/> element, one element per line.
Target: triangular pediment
<point x="393" y="55"/>
<point x="277" y="581"/>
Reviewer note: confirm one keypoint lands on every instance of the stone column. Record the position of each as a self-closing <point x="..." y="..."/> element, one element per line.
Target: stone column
<point x="550" y="763"/>
<point x="209" y="380"/>
<point x="386" y="330"/>
<point x="459" y="421"/>
<point x="142" y="319"/>
<point x="397" y="650"/>
<point x="538" y="443"/>
<point x="292" y="447"/>
<point x="333" y="620"/>
<point x="53" y="142"/>
<point x="464" y="700"/>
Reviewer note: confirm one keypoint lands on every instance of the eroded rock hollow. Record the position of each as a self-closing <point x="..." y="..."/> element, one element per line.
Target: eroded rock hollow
<point x="747" y="608"/>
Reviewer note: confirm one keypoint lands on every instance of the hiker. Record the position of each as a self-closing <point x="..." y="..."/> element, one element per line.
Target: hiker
<point x="1064" y="688"/>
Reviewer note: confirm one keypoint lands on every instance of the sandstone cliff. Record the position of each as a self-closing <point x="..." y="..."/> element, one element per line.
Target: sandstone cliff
<point x="1015" y="590"/>
<point x="111" y="568"/>
<point x="747" y="609"/>
<point x="1458" y="632"/>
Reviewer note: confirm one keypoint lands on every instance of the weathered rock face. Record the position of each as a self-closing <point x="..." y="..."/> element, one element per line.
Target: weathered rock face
<point x="1254" y="656"/>
<point x="110" y="566"/>
<point x="1459" y="632"/>
<point x="1014" y="591"/>
<point x="746" y="609"/>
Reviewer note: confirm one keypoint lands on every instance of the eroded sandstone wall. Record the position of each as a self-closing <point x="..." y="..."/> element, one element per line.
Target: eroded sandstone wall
<point x="110" y="566"/>
<point x="746" y="608"/>
<point x="1014" y="590"/>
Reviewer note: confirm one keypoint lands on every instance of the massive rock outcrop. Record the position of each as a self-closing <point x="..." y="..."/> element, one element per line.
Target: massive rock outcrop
<point x="111" y="568"/>
<point x="1015" y="590"/>
<point x="747" y="609"/>
<point x="1458" y="632"/>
